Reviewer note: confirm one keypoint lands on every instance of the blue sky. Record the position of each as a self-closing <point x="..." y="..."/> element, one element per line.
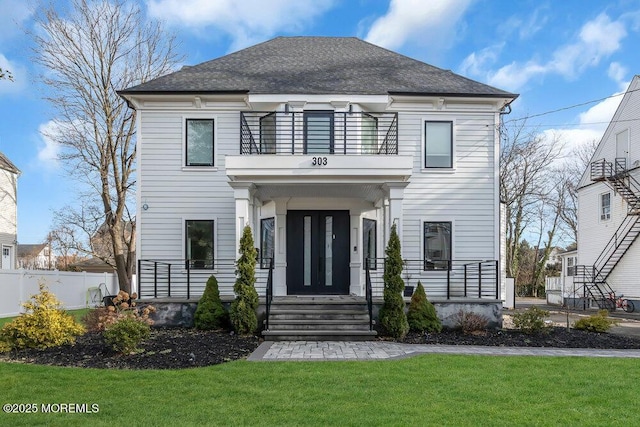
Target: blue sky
<point x="555" y="54"/>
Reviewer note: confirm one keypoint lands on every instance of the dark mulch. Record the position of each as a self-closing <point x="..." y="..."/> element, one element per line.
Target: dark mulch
<point x="186" y="348"/>
<point x="553" y="337"/>
<point x="165" y="349"/>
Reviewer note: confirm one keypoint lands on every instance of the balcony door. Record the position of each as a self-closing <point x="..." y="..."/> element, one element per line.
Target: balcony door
<point x="318" y="132"/>
<point x="318" y="252"/>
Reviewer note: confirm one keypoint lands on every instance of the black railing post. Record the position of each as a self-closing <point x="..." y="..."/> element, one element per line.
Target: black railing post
<point x="139" y="278"/>
<point x="369" y="292"/>
<point x="465" y="280"/>
<point x="498" y="277"/>
<point x="480" y="279"/>
<point x="449" y="279"/>
<point x="344" y="134"/>
<point x="155" y="280"/>
<point x="169" y="281"/>
<point x="269" y="294"/>
<point x="188" y="278"/>
<point x="293" y="133"/>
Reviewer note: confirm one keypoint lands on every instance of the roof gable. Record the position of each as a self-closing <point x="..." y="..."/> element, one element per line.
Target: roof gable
<point x="316" y="65"/>
<point x="6" y="164"/>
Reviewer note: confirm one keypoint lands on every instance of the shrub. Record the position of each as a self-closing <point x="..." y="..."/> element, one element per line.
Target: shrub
<point x="470" y="323"/>
<point x="124" y="305"/>
<point x="44" y="324"/>
<point x="242" y="312"/>
<point x="531" y="320"/>
<point x="210" y="313"/>
<point x="126" y="333"/>
<point x="422" y="316"/>
<point x="392" y="316"/>
<point x="597" y="323"/>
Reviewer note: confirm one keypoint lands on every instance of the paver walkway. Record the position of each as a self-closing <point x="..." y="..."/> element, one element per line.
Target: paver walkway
<point x="377" y="350"/>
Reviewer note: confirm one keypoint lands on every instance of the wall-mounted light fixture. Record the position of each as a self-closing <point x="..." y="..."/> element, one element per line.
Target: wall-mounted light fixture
<point x="145" y="207"/>
<point x="286" y="108"/>
<point x="350" y="108"/>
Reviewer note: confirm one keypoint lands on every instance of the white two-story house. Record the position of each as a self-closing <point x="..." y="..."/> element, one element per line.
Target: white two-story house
<point x="609" y="207"/>
<point x="320" y="144"/>
<point x="8" y="212"/>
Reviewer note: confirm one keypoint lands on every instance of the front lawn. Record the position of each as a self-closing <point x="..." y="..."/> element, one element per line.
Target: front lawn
<point x="425" y="390"/>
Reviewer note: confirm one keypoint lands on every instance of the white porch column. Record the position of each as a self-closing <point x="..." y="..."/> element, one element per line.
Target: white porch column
<point x="395" y="191"/>
<point x="243" y="193"/>
<point x="280" y="257"/>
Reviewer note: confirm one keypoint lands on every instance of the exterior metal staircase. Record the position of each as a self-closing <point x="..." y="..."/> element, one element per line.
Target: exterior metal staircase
<point x="318" y="318"/>
<point x="616" y="175"/>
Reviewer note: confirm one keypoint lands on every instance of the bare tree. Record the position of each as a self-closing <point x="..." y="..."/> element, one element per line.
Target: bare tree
<point x="525" y="185"/>
<point x="96" y="49"/>
<point x="6" y="74"/>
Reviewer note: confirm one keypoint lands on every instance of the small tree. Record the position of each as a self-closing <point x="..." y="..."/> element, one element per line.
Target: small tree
<point x="422" y="316"/>
<point x="243" y="308"/>
<point x="392" y="316"/>
<point x="210" y="313"/>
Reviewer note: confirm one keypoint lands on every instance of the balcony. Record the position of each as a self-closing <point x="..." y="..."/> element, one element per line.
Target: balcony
<point x="319" y="146"/>
<point x="318" y="133"/>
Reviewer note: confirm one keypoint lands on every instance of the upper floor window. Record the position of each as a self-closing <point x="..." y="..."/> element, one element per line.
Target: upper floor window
<point x="571" y="266"/>
<point x="199" y="243"/>
<point x="437" y="245"/>
<point x="199" y="139"/>
<point x="318" y="132"/>
<point x="268" y="134"/>
<point x="369" y="134"/>
<point x="438" y="144"/>
<point x="605" y="206"/>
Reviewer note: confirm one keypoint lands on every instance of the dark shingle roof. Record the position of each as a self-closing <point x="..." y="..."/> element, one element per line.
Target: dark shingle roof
<point x="316" y="65"/>
<point x="6" y="164"/>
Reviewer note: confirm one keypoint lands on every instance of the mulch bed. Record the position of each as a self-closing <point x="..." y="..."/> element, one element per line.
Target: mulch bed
<point x="180" y="348"/>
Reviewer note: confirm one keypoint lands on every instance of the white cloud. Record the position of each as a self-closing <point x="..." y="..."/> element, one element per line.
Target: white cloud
<point x="49" y="149"/>
<point x="246" y="22"/>
<point x="423" y="22"/>
<point x="597" y="39"/>
<point x="476" y="62"/>
<point x="617" y="73"/>
<point x="13" y="15"/>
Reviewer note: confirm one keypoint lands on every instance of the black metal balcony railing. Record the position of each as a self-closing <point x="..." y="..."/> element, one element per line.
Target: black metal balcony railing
<point x="179" y="278"/>
<point x="463" y="278"/>
<point x="318" y="132"/>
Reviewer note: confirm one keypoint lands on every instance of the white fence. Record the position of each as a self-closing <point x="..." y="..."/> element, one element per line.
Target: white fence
<point x="71" y="288"/>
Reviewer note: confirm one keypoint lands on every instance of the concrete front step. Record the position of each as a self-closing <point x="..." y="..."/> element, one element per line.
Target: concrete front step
<point x="318" y="335"/>
<point x="324" y="324"/>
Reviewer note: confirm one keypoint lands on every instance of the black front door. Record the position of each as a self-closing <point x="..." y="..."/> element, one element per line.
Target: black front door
<point x="317" y="252"/>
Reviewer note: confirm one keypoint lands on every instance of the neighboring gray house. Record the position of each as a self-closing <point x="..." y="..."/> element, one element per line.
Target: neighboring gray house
<point x="319" y="144"/>
<point x="8" y="212"/>
<point x="609" y="207"/>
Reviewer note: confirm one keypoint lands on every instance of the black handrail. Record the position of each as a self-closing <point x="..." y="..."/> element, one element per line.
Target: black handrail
<point x="269" y="294"/>
<point x="369" y="292"/>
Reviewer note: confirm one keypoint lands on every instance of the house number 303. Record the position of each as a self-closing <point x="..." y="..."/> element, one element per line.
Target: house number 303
<point x="319" y="161"/>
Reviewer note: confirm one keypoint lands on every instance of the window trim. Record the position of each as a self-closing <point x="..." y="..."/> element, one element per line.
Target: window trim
<point x="200" y="116"/>
<point x="604" y="217"/>
<point x="215" y="240"/>
<point x="423" y="160"/>
<point x="423" y="248"/>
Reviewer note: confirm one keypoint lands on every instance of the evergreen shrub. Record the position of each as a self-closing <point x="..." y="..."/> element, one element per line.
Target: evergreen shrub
<point x="422" y="316"/>
<point x="392" y="316"/>
<point x="242" y="312"/>
<point x="210" y="313"/>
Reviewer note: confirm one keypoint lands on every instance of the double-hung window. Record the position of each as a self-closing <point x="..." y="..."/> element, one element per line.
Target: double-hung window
<point x="571" y="266"/>
<point x="437" y="245"/>
<point x="199" y="243"/>
<point x="199" y="139"/>
<point x="267" y="241"/>
<point x="605" y="206"/>
<point x="438" y="144"/>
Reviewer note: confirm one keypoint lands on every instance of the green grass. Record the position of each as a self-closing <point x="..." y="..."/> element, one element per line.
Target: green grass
<point x="425" y="390"/>
<point x="75" y="313"/>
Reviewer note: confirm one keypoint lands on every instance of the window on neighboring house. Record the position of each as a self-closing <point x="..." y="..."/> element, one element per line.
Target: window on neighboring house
<point x="438" y="144"/>
<point x="369" y="243"/>
<point x="605" y="206"/>
<point x="369" y="134"/>
<point x="437" y="245"/>
<point x="268" y="134"/>
<point x="267" y="241"/>
<point x="199" y="243"/>
<point x="199" y="139"/>
<point x="571" y="266"/>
